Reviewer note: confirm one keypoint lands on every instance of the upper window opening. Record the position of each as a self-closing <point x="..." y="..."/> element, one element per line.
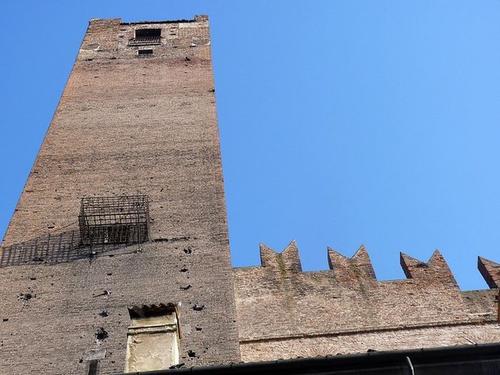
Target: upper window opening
<point x="146" y="36"/>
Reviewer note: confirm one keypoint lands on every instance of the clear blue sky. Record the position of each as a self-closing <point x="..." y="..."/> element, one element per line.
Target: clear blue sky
<point x="342" y="122"/>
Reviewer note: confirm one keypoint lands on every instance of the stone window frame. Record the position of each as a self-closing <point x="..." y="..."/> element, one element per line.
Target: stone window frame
<point x="153" y="320"/>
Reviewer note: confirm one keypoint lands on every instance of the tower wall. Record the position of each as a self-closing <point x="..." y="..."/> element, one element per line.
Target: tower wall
<point x="125" y="124"/>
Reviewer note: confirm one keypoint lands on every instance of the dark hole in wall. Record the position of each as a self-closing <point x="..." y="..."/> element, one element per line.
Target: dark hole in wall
<point x="148" y="311"/>
<point x="25" y="297"/>
<point x="147" y="33"/>
<point x="197" y="307"/>
<point x="101" y="334"/>
<point x="93" y="364"/>
<point x="145" y="52"/>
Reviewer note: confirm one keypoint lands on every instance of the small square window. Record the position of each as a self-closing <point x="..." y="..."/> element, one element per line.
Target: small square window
<point x="145" y="52"/>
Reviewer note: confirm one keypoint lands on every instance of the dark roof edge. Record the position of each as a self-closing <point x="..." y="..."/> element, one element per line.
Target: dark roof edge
<point x="195" y="19"/>
<point x="362" y="360"/>
<point x="154" y="22"/>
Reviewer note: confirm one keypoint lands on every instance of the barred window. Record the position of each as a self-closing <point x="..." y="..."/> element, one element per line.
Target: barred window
<point x="146" y="37"/>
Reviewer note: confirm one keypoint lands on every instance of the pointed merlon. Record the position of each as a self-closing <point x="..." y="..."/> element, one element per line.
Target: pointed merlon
<point x="434" y="270"/>
<point x="490" y="271"/>
<point x="287" y="260"/>
<point x="336" y="259"/>
<point x="362" y="259"/>
<point x="348" y="269"/>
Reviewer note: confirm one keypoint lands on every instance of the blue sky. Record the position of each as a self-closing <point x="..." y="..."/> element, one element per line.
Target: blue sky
<point x="342" y="122"/>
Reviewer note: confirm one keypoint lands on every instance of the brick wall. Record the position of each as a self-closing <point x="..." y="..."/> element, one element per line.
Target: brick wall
<point x="285" y="313"/>
<point x="125" y="125"/>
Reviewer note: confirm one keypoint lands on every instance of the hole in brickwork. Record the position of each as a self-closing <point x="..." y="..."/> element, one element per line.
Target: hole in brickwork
<point x="197" y="307"/>
<point x="27" y="296"/>
<point x="101" y="334"/>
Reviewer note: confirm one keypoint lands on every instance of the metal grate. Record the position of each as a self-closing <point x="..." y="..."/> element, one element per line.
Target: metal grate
<point x="146" y="41"/>
<point x="114" y="220"/>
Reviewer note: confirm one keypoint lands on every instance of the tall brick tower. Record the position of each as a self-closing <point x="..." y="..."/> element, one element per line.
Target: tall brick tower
<point x="118" y="247"/>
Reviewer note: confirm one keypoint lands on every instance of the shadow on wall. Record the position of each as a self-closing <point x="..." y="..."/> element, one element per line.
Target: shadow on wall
<point x="53" y="248"/>
<point x="105" y="223"/>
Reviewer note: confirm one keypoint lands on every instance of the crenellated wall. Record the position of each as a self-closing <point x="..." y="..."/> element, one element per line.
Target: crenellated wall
<point x="286" y="313"/>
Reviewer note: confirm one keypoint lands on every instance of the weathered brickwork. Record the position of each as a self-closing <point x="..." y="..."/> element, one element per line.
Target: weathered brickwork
<point x="125" y="125"/>
<point x="366" y="341"/>
<point x="490" y="271"/>
<point x="139" y="118"/>
<point x="285" y="313"/>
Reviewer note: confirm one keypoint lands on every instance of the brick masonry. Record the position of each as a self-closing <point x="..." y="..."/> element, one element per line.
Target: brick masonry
<point x="127" y="124"/>
<point x="286" y="313"/>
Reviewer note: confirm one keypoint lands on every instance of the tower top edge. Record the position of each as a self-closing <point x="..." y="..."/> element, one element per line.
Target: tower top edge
<point x="196" y="18"/>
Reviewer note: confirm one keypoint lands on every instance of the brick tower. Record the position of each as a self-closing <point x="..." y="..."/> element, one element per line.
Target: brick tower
<point x="119" y="239"/>
<point x="117" y="257"/>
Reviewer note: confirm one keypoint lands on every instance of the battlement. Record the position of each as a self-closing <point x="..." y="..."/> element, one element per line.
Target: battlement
<point x="346" y="270"/>
<point x="490" y="271"/>
<point x="287" y="312"/>
<point x="287" y="260"/>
